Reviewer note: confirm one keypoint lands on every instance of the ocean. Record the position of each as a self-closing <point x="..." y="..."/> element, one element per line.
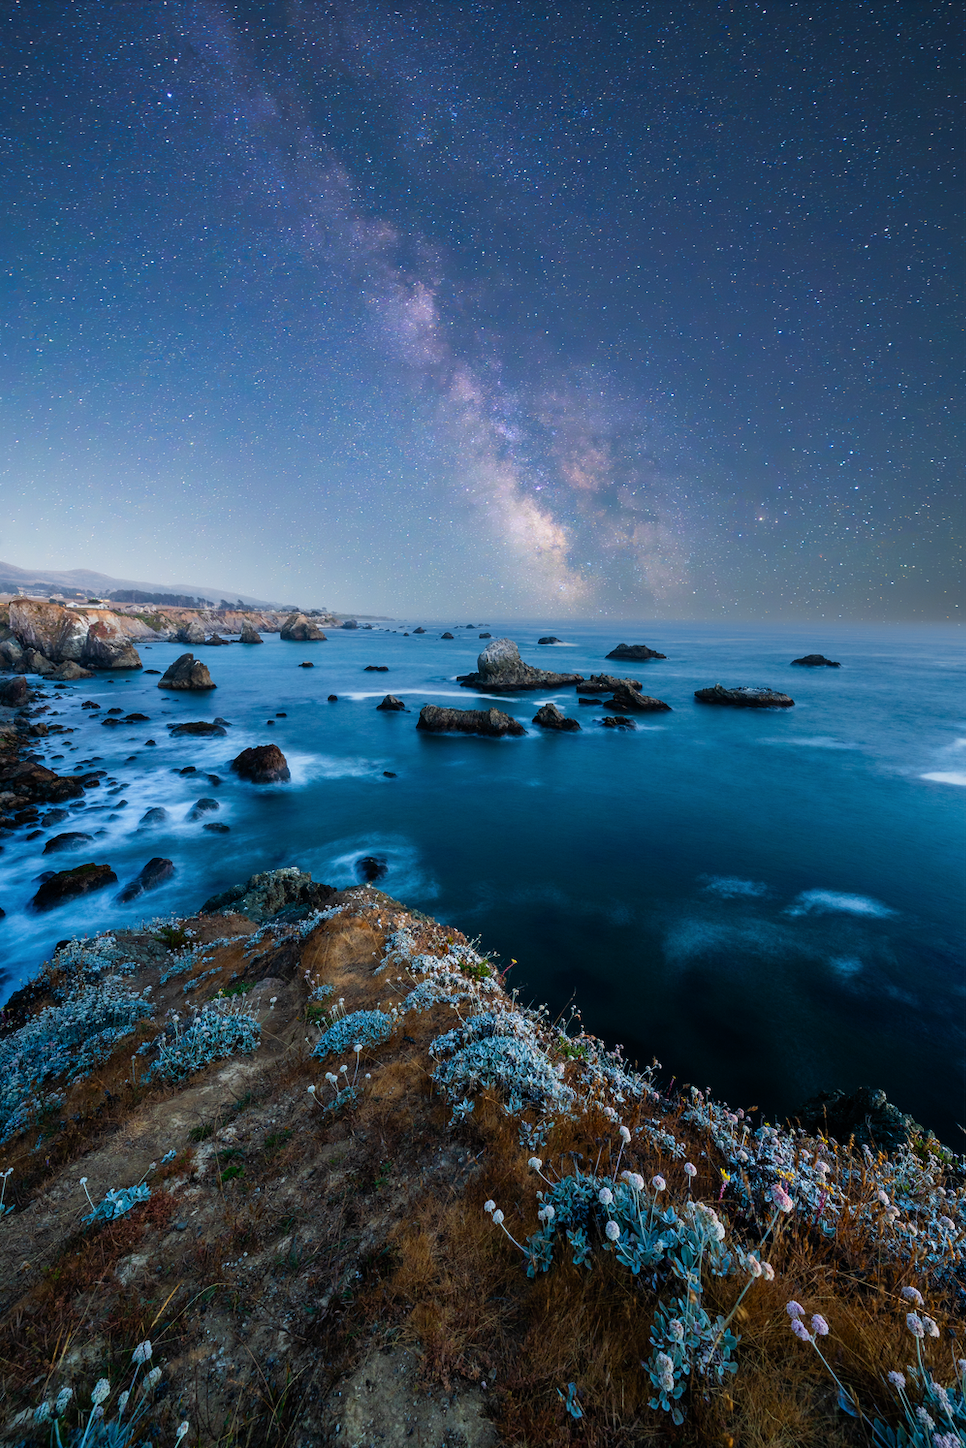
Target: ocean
<point x="768" y="901"/>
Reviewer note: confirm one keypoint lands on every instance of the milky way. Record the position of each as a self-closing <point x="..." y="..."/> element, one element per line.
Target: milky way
<point x="640" y="310"/>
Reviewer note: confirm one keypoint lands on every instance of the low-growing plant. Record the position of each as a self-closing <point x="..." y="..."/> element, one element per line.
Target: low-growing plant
<point x="99" y="1431"/>
<point x="214" y="1032"/>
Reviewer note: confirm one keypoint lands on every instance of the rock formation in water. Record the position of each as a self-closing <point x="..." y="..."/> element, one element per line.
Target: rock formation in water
<point x="491" y="722"/>
<point x="628" y="700"/>
<point x="605" y="684"/>
<point x="301" y="630"/>
<point x="744" y="697"/>
<point x="186" y="673"/>
<point x="69" y="884"/>
<point x="392" y="705"/>
<point x="634" y="651"/>
<point x="549" y="639"/>
<point x="191" y="633"/>
<point x="548" y="716"/>
<point x="501" y="670"/>
<point x="264" y="764"/>
<point x="153" y="875"/>
<point x="250" y="635"/>
<point x="14" y="692"/>
<point x="203" y="727"/>
<point x="817" y="661"/>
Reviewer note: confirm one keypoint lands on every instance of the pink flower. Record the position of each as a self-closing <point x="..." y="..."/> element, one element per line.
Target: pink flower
<point x="800" y="1330"/>
<point x="897" y="1380"/>
<point x="819" y="1326"/>
<point x="781" y="1198"/>
<point x="658" y="1183"/>
<point x="911" y="1294"/>
<point x="689" y="1170"/>
<point x="794" y="1309"/>
<point x="930" y="1326"/>
<point x="914" y="1324"/>
<point x="768" y="1271"/>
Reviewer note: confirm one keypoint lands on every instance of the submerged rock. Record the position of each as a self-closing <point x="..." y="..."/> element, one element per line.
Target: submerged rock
<point x="154" y="816"/>
<point x="370" y="868"/>
<point x="264" y="764"/>
<point x="744" y="697"/>
<point x="628" y="700"/>
<point x="155" y="873"/>
<point x="250" y="635"/>
<point x="186" y="673"/>
<point x="301" y="630"/>
<point x="201" y="807"/>
<point x="867" y="1115"/>
<point x="71" y="840"/>
<point x="817" y="661"/>
<point x="501" y="670"/>
<point x="550" y="717"/>
<point x="491" y="722"/>
<point x="69" y="884"/>
<point x="393" y="705"/>
<point x="264" y="895"/>
<point x="376" y="669"/>
<point x="634" y="651"/>
<point x="611" y="721"/>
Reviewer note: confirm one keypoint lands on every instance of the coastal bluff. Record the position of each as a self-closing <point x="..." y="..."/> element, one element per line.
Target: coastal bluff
<point x="307" y="1145"/>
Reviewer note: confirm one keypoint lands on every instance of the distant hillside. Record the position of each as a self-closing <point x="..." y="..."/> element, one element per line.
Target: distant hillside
<point x="100" y="585"/>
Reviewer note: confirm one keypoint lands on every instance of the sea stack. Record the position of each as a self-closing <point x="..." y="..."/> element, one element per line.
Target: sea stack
<point x="501" y="670"/>
<point x="186" y="673"/>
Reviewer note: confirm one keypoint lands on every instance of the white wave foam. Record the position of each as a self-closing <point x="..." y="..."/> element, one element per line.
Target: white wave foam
<point x="729" y="887"/>
<point x="815" y="741"/>
<point x="941" y="776"/>
<point x="846" y="965"/>
<point x="832" y="902"/>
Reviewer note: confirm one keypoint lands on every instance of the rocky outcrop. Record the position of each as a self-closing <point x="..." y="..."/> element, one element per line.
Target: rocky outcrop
<point x="191" y="633"/>
<point x="11" y="651"/>
<point x="71" y="840"/>
<point x="202" y="807"/>
<point x="155" y="873"/>
<point x="41" y="785"/>
<point x="217" y="642"/>
<point x="14" y="693"/>
<point x="371" y="868"/>
<point x="264" y="764"/>
<point x="628" y="700"/>
<point x="605" y="684"/>
<point x="866" y="1114"/>
<point x="501" y="670"/>
<point x="817" y="661"/>
<point x="611" y="721"/>
<point x="250" y="635"/>
<point x="68" y="672"/>
<point x="550" y="717"/>
<point x="415" y="630"/>
<point x="265" y="895"/>
<point x="107" y="647"/>
<point x="153" y="816"/>
<point x="635" y="652"/>
<point x="491" y="722"/>
<point x="34" y="662"/>
<point x="744" y="697"/>
<point x="202" y="727"/>
<point x="376" y="669"/>
<point x="70" y="884"/>
<point x="96" y="637"/>
<point x="393" y="705"/>
<point x="550" y="639"/>
<point x="447" y="636"/>
<point x="352" y="623"/>
<point x="186" y="673"/>
<point x="301" y="630"/>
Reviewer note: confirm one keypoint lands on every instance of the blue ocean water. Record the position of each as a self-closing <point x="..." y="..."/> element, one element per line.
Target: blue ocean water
<point x="771" y="902"/>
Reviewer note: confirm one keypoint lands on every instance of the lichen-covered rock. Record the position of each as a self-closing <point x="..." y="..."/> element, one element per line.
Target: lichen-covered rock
<point x="627" y="700"/>
<point x="744" y="697"/>
<point x="491" y="722"/>
<point x="817" y="661"/>
<point x="501" y="670"/>
<point x="550" y="717"/>
<point x="70" y="884"/>
<point x="264" y="764"/>
<point x="301" y="630"/>
<point x="265" y="894"/>
<point x="186" y="673"/>
<point x="634" y="651"/>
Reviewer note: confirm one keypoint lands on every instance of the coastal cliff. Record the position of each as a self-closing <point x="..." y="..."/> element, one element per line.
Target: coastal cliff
<point x="311" y="1146"/>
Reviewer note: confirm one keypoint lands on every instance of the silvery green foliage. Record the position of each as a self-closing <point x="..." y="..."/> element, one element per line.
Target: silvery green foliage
<point x="65" y="1040"/>
<point x="501" y="1049"/>
<point x="370" y="1028"/>
<point x="218" y="1029"/>
<point x="193" y="955"/>
<point x="117" y="1202"/>
<point x="685" y="1339"/>
<point x="95" y="1428"/>
<point x="88" y="960"/>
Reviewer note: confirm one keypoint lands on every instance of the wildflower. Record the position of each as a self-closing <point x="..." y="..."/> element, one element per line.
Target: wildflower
<point x="819" y="1326"/>
<point x="768" y="1271"/>
<point x="753" y="1265"/>
<point x="42" y="1414"/>
<point x="911" y="1294"/>
<point x="63" y="1398"/>
<point x="897" y="1380"/>
<point x="914" y="1324"/>
<point x="535" y="1163"/>
<point x="625" y="1135"/>
<point x="658" y="1183"/>
<point x="912" y="1230"/>
<point x="141" y="1353"/>
<point x="925" y="1419"/>
<point x="689" y="1170"/>
<point x="605" y="1196"/>
<point x="931" y="1328"/>
<point x="489" y="1206"/>
<point x="182" y="1430"/>
<point x="152" y="1379"/>
<point x="891" y="1214"/>
<point x="947" y="1440"/>
<point x="666" y="1367"/>
<point x="102" y="1391"/>
<point x="612" y="1231"/>
<point x="800" y="1330"/>
<point x="676" y="1329"/>
<point x="795" y="1309"/>
<point x="822" y="1168"/>
<point x="883" y="1197"/>
<point x="781" y="1198"/>
<point x="271" y="1003"/>
<point x="546" y="1213"/>
<point x="311" y="1090"/>
<point x="357" y="1047"/>
<point x="497" y="1217"/>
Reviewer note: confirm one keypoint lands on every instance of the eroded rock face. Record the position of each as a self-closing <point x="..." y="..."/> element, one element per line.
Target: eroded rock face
<point x="301" y="630"/>
<point x="744" y="697"/>
<point x="42" y="786"/>
<point x="87" y="636"/>
<point x="69" y="671"/>
<point x="605" y="684"/>
<point x="191" y="633"/>
<point x="250" y="635"/>
<point x="817" y="661"/>
<point x="393" y="705"/>
<point x="628" y="700"/>
<point x="186" y="673"/>
<point x="501" y="670"/>
<point x="491" y="722"/>
<point x="634" y="651"/>
<point x="155" y="873"/>
<point x="108" y="648"/>
<point x="264" y="764"/>
<point x="69" y="884"/>
<point x="550" y="717"/>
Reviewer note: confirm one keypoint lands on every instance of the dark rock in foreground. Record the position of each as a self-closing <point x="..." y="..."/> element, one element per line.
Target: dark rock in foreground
<point x="371" y="868"/>
<point x="817" y="661"/>
<point x="447" y="636"/>
<point x="40" y="785"/>
<point x="201" y="807"/>
<point x="265" y="764"/>
<point x="392" y="705"/>
<point x="628" y="700"/>
<point x="155" y="816"/>
<point x="491" y="722"/>
<point x="250" y="635"/>
<point x="265" y="895"/>
<point x="744" y="697"/>
<point x="14" y="692"/>
<point x="155" y="873"/>
<point x="71" y="840"/>
<point x="634" y="651"/>
<point x="186" y="673"/>
<point x="866" y="1114"/>
<point x="550" y="717"/>
<point x="301" y="630"/>
<point x="69" y="884"/>
<point x="501" y="670"/>
<point x="605" y="684"/>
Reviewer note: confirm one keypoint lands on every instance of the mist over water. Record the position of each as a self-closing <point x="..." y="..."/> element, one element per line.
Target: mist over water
<point x="769" y="901"/>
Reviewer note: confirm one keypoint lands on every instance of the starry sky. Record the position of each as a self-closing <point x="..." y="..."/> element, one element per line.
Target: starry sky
<point x="641" y="310"/>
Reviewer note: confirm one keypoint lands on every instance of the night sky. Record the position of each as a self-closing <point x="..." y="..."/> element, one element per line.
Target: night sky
<point x="641" y="310"/>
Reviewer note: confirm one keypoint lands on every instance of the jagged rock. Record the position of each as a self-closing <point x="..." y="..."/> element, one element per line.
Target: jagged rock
<point x="605" y="684"/>
<point x="610" y="721"/>
<point x="371" y="868"/>
<point x="817" y="661"/>
<point x="415" y="630"/>
<point x="266" y="894"/>
<point x="69" y="884"/>
<point x="38" y="731"/>
<point x="42" y="785"/>
<point x="486" y="636"/>
<point x="68" y="671"/>
<point x="376" y="669"/>
<point x="216" y="641"/>
<point x="866" y="1114"/>
<point x="11" y="651"/>
<point x="191" y="633"/>
<point x="203" y="727"/>
<point x="393" y="705"/>
<point x="35" y="662"/>
<point x="550" y="717"/>
<point x="155" y="816"/>
<point x="216" y="827"/>
<point x="264" y="764"/>
<point x="93" y="636"/>
<point x="155" y="873"/>
<point x="550" y="639"/>
<point x="201" y="807"/>
<point x="634" y="651"/>
<point x="137" y="718"/>
<point x="627" y="700"/>
<point x="186" y="673"/>
<point x="14" y="693"/>
<point x="491" y="722"/>
<point x="301" y="630"/>
<point x="250" y="635"/>
<point x="744" y="697"/>
<point x="108" y="648"/>
<point x="447" y="635"/>
<point x="71" y="840"/>
<point x="501" y="670"/>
